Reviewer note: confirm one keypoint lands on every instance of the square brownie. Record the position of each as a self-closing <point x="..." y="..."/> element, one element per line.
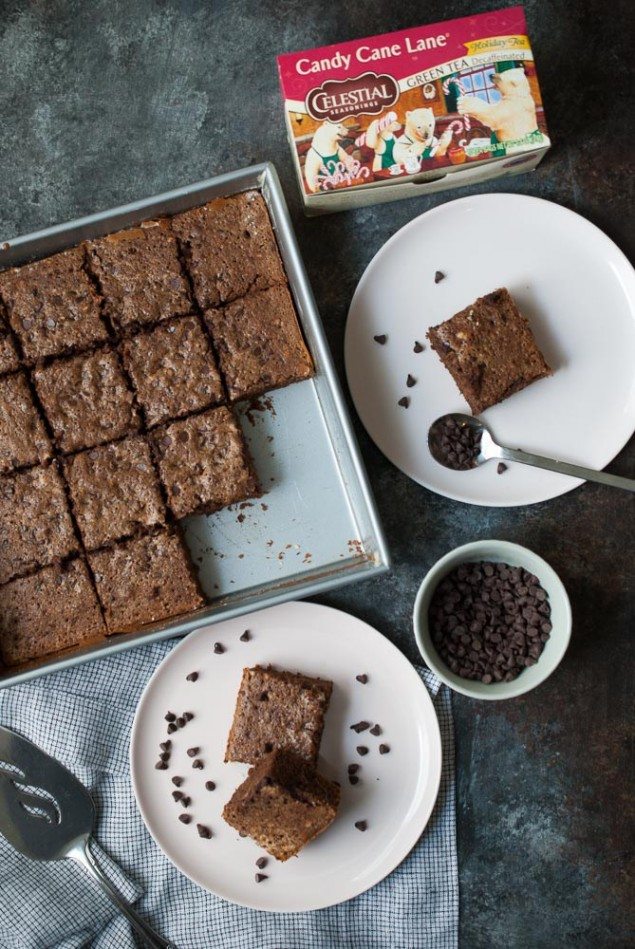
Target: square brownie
<point x="52" y="306"/>
<point x="173" y="370"/>
<point x="489" y="350"/>
<point x="229" y="248"/>
<point x="277" y="709"/>
<point x="35" y="521"/>
<point x="259" y="343"/>
<point x="145" y="579"/>
<point x="23" y="437"/>
<point x="115" y="491"/>
<point x="87" y="400"/>
<point x="50" y="610"/>
<point x="9" y="358"/>
<point x="204" y="463"/>
<point x="283" y="804"/>
<point x="140" y="275"/>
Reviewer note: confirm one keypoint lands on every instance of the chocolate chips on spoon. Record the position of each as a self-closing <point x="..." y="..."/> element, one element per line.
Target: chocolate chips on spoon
<point x="460" y="444"/>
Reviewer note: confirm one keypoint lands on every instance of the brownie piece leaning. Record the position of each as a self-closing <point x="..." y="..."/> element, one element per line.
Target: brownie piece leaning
<point x="145" y="579"/>
<point x="259" y="343"/>
<point x="277" y="709"/>
<point x="35" y="521"/>
<point x="52" y="306"/>
<point x="173" y="370"/>
<point x="204" y="463"/>
<point x="283" y="804"/>
<point x="23" y="438"/>
<point x="87" y="400"/>
<point x="229" y="248"/>
<point x="9" y="359"/>
<point x="140" y="276"/>
<point x="50" y="610"/>
<point x="489" y="350"/>
<point x="115" y="491"/>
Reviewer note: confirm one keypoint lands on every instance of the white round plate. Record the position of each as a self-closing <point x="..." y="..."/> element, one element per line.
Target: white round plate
<point x="396" y="791"/>
<point x="576" y="288"/>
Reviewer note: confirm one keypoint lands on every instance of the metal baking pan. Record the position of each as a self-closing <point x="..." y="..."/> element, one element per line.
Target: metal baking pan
<point x="316" y="528"/>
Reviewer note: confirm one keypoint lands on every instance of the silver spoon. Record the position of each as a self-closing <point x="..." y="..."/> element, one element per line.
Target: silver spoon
<point x="490" y="450"/>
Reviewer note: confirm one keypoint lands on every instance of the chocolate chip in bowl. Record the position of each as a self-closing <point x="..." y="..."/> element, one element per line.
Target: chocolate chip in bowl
<point x="492" y="619"/>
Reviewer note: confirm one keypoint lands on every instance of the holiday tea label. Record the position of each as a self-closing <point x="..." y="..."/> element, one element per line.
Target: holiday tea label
<point x="440" y="105"/>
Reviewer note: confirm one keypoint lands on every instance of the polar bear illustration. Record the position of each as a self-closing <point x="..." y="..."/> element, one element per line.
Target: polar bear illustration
<point x="325" y="153"/>
<point x="514" y="116"/>
<point x="418" y="140"/>
<point x="380" y="136"/>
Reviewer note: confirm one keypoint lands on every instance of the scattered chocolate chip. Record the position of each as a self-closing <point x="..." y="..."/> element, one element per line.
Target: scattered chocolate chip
<point x="186" y="801"/>
<point x="439" y="276"/>
<point x="203" y="831"/>
<point x="192" y="752"/>
<point x="198" y="764"/>
<point x="411" y="381"/>
<point x="185" y="818"/>
<point x="363" y="678"/>
<point x="164" y="756"/>
<point x="260" y="877"/>
<point x="261" y="863"/>
<point x="353" y="768"/>
<point x="177" y="795"/>
<point x="219" y="648"/>
<point x="384" y="749"/>
<point x="246" y="636"/>
<point x="192" y="677"/>
<point x="404" y="402"/>
<point x="170" y="717"/>
<point x="165" y="745"/>
<point x="362" y="750"/>
<point x="353" y="779"/>
<point x="177" y="781"/>
<point x="381" y="339"/>
<point x="161" y="765"/>
<point x="360" y="726"/>
<point x="418" y="347"/>
<point x="210" y="786"/>
<point x="180" y="722"/>
<point x="375" y="730"/>
<point x="501" y="468"/>
<point x="361" y="825"/>
<point x="171" y="728"/>
<point x="188" y="716"/>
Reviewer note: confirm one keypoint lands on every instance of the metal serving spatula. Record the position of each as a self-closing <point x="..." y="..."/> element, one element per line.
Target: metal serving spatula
<point x="47" y="814"/>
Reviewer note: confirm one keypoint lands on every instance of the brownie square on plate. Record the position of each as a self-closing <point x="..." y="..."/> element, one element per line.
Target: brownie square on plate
<point x="52" y="306"/>
<point x="283" y="804"/>
<point x="115" y="491"/>
<point x="87" y="400"/>
<point x="145" y="579"/>
<point x="204" y="463"/>
<point x="50" y="610"/>
<point x="489" y="350"/>
<point x="9" y="359"/>
<point x="35" y="521"/>
<point x="259" y="343"/>
<point x="277" y="709"/>
<point x="140" y="275"/>
<point x="173" y="370"/>
<point x="229" y="248"/>
<point x="23" y="438"/>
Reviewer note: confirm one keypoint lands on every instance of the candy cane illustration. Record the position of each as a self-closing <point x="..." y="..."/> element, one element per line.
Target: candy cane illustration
<point x="382" y="124"/>
<point x="342" y="175"/>
<point x="465" y="120"/>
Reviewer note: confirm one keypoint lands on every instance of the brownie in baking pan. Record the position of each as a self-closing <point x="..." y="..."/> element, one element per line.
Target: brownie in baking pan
<point x="52" y="306"/>
<point x="87" y="400"/>
<point x="9" y="358"/>
<point x="145" y="579"/>
<point x="259" y="343"/>
<point x="173" y="370"/>
<point x="489" y="350"/>
<point x="23" y="437"/>
<point x="139" y="274"/>
<point x="48" y="611"/>
<point x="204" y="463"/>
<point x="115" y="491"/>
<point x="36" y="528"/>
<point x="277" y="709"/>
<point x="283" y="804"/>
<point x="229" y="248"/>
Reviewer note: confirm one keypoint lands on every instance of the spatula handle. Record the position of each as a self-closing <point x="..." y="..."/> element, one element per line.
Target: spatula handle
<point x="82" y="855"/>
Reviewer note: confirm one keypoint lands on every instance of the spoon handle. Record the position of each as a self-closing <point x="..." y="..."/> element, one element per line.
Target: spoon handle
<point x="563" y="467"/>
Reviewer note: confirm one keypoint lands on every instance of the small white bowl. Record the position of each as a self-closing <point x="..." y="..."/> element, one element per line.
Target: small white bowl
<point x="499" y="551"/>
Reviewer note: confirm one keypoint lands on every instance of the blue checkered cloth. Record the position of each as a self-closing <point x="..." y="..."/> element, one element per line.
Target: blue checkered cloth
<point x="83" y="717"/>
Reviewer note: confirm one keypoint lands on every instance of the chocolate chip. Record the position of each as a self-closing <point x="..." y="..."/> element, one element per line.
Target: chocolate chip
<point x="353" y="779"/>
<point x="177" y="781"/>
<point x="198" y="764"/>
<point x="360" y="726"/>
<point x="261" y="863"/>
<point x="246" y="636"/>
<point x="192" y="677"/>
<point x="260" y="877"/>
<point x="180" y="722"/>
<point x="381" y="339"/>
<point x="177" y="795"/>
<point x="418" y="347"/>
<point x="161" y="765"/>
<point x="164" y="756"/>
<point x="363" y="678"/>
<point x="439" y="276"/>
<point x="218" y="648"/>
<point x="404" y="402"/>
<point x="188" y="716"/>
<point x="50" y="324"/>
<point x="458" y="444"/>
<point x="203" y="831"/>
<point x="175" y="490"/>
<point x="411" y="381"/>
<point x="171" y="728"/>
<point x="185" y="818"/>
<point x="210" y="786"/>
<point x="362" y="750"/>
<point x="384" y="749"/>
<point x="353" y="768"/>
<point x="186" y="801"/>
<point x="170" y="717"/>
<point x="27" y="323"/>
<point x="166" y="440"/>
<point x="375" y="730"/>
<point x="501" y="468"/>
<point x="192" y="752"/>
<point x="165" y="745"/>
<point x="361" y="825"/>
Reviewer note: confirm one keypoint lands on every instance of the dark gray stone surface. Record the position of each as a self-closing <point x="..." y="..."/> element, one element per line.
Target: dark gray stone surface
<point x="106" y="101"/>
